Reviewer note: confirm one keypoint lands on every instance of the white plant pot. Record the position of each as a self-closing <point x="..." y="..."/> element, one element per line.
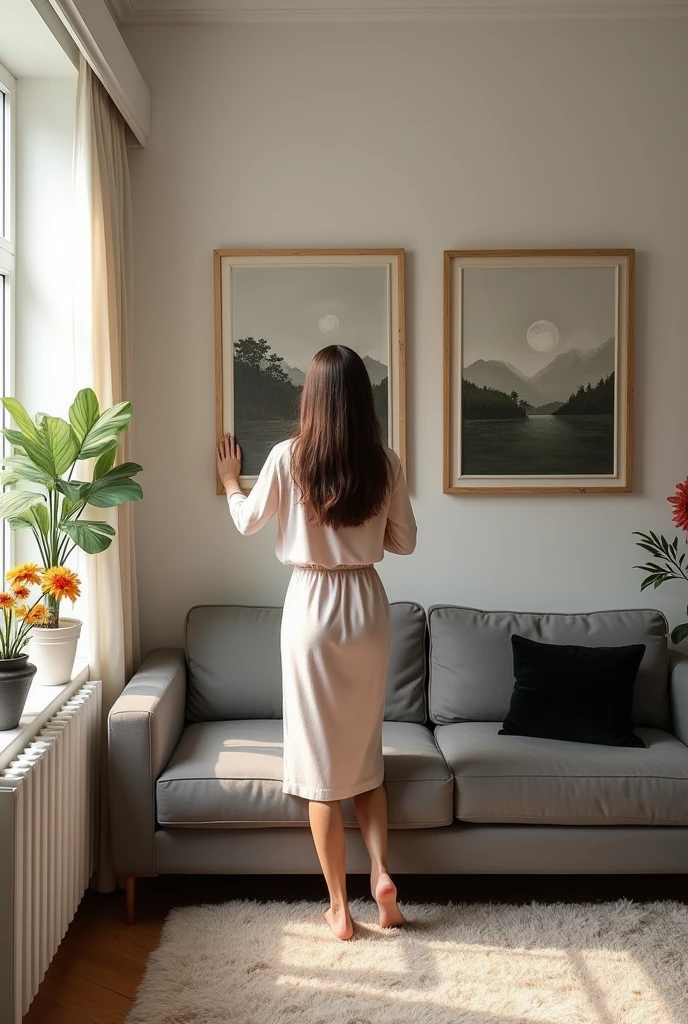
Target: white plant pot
<point x="53" y="651"/>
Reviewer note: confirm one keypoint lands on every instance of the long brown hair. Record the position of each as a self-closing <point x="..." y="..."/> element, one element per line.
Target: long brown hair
<point x="338" y="461"/>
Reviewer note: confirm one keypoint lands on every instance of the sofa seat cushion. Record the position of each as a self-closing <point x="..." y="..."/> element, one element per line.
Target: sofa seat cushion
<point x="229" y="775"/>
<point x="519" y="779"/>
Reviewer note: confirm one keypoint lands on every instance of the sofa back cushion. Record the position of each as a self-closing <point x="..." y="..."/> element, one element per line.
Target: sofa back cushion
<point x="233" y="657"/>
<point x="406" y="699"/>
<point x="234" y="665"/>
<point x="471" y="661"/>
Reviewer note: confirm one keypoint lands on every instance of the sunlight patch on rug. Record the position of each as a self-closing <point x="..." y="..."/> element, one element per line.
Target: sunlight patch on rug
<point x="277" y="963"/>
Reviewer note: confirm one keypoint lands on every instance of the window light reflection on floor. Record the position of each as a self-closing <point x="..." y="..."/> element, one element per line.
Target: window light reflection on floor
<point x="512" y="985"/>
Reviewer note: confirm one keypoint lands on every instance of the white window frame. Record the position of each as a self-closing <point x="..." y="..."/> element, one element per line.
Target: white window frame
<point x="8" y="87"/>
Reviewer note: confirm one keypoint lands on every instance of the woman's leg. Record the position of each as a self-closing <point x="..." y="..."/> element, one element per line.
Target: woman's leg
<point x="371" y="814"/>
<point x="328" y="835"/>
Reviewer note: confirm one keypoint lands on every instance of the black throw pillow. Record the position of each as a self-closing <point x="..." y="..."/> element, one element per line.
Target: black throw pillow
<point x="566" y="692"/>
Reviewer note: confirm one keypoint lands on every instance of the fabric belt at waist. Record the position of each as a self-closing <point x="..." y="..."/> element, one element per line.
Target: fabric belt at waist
<point x="335" y="568"/>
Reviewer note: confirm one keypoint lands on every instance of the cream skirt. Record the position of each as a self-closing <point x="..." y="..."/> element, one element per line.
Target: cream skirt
<point x="335" y="652"/>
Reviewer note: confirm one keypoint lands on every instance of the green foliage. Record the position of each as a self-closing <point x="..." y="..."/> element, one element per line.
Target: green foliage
<point x="679" y="633"/>
<point x="70" y="506"/>
<point x="112" y="488"/>
<point x="33" y="450"/>
<point x="16" y="503"/>
<point x="590" y="401"/>
<point x="106" y="461"/>
<point x="490" y="404"/>
<point x="669" y="565"/>
<point x="41" y="517"/>
<point x="104" y="432"/>
<point x="59" y="442"/>
<point x="27" y="470"/>
<point x="83" y="413"/>
<point x="21" y="418"/>
<point x="46" y="452"/>
<point x="90" y="537"/>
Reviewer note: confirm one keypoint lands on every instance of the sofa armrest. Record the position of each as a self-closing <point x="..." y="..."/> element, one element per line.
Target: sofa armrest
<point x="144" y="727"/>
<point x="678" y="689"/>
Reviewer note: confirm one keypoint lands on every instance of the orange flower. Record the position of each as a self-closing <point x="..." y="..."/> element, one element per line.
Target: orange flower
<point x="21" y="611"/>
<point x="680" y="503"/>
<point x="6" y="599"/>
<point x="59" y="582"/>
<point x="38" y="615"/>
<point x="27" y="572"/>
<point x="21" y="590"/>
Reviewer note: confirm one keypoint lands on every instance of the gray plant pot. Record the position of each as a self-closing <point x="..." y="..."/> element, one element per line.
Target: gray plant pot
<point x="16" y="676"/>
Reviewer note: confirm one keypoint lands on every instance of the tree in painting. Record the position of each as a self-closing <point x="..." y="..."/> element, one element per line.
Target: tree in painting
<point x="590" y="401"/>
<point x="489" y="404"/>
<point x="263" y="390"/>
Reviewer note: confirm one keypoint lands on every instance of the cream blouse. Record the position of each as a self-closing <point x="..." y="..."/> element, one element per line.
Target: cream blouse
<point x="301" y="543"/>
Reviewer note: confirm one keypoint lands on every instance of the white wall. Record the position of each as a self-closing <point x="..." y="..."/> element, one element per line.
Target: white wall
<point x="428" y="136"/>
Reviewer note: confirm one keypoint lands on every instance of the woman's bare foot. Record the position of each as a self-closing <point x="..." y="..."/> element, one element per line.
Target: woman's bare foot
<point x="340" y="922"/>
<point x="385" y="895"/>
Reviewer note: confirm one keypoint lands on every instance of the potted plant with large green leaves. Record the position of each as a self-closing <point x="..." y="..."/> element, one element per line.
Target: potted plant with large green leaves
<point x="46" y="497"/>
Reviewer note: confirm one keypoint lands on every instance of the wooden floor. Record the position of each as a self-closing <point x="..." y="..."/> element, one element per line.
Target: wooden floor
<point x="96" y="971"/>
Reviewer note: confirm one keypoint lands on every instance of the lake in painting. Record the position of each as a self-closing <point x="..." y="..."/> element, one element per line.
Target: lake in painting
<point x="258" y="437"/>
<point x="539" y="445"/>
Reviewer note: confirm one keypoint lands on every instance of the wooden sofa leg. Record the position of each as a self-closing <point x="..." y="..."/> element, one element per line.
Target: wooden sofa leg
<point x="130" y="888"/>
<point x="130" y="891"/>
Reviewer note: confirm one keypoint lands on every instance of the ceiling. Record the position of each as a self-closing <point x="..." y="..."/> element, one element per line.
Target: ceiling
<point x="28" y="48"/>
<point x="384" y="10"/>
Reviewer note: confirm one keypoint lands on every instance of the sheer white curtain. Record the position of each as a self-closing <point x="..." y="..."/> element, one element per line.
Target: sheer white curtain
<point x="103" y="357"/>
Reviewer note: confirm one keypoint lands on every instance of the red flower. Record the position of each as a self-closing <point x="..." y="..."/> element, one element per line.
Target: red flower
<point x="680" y="503"/>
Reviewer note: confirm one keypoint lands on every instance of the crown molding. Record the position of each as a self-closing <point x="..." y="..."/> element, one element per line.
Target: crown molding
<point x="93" y="29"/>
<point x="171" y="11"/>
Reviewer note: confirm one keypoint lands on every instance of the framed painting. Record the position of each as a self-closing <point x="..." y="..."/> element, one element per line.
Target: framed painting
<point x="538" y="371"/>
<point x="274" y="309"/>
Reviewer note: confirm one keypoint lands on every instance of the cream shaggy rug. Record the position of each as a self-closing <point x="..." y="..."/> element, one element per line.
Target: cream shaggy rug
<point x="277" y="963"/>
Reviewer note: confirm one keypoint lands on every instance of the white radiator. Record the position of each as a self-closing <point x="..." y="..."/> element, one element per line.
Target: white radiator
<point x="48" y="809"/>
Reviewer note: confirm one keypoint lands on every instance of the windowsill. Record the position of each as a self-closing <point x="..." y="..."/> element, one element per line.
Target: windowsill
<point x="41" y="704"/>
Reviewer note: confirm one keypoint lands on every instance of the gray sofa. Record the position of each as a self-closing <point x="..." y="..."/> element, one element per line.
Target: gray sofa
<point x="195" y="755"/>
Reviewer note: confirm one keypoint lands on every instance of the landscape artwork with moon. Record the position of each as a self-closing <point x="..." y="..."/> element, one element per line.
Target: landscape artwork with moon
<point x="277" y="312"/>
<point x="542" y="354"/>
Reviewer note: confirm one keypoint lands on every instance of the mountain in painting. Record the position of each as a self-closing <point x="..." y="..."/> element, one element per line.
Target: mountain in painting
<point x="565" y="374"/>
<point x="556" y="382"/>
<point x="295" y="375"/>
<point x="376" y="371"/>
<point x="492" y="373"/>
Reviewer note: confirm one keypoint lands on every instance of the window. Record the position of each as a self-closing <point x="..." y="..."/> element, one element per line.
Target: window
<point x="7" y="258"/>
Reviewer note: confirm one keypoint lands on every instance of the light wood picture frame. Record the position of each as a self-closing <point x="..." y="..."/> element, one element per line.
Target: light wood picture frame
<point x="538" y="371"/>
<point x="274" y="309"/>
